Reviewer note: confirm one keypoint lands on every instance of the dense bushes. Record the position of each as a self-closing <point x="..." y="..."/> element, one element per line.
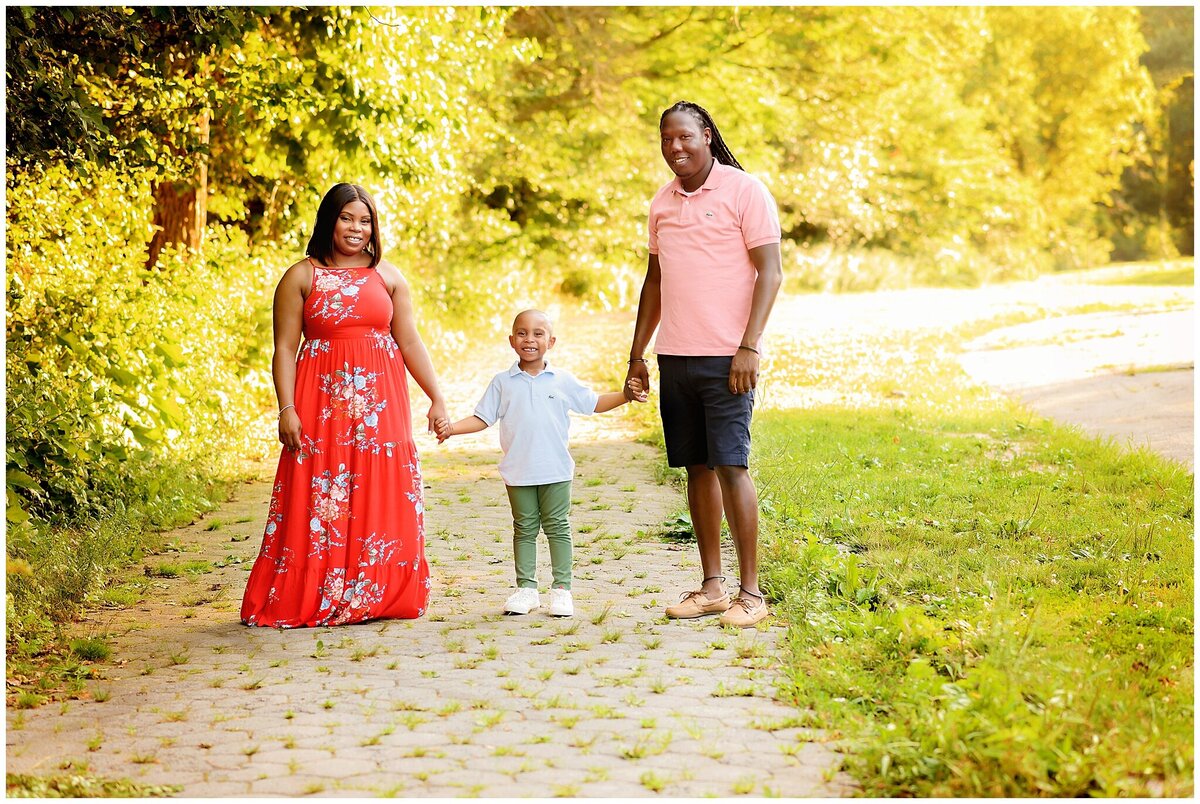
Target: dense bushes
<point x="129" y="389"/>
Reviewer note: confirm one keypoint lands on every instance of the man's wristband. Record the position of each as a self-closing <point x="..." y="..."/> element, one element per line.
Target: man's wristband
<point x="750" y="348"/>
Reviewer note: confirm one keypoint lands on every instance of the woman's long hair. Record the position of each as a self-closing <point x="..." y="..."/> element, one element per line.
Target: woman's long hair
<point x="320" y="245"/>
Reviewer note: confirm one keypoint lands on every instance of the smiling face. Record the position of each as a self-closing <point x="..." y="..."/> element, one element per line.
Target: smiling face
<point x="352" y="231"/>
<point x="531" y="338"/>
<point x="686" y="148"/>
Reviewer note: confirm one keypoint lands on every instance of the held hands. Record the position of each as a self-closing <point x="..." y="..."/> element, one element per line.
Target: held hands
<point x="443" y="429"/>
<point x="743" y="372"/>
<point x="637" y="381"/>
<point x="437" y="412"/>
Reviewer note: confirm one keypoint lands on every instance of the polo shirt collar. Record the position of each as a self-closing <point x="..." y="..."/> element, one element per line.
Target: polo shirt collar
<point x="516" y="368"/>
<point x="712" y="182"/>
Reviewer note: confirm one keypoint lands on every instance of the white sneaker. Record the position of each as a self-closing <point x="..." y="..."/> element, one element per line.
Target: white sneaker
<point x="561" y="604"/>
<point x="522" y="601"/>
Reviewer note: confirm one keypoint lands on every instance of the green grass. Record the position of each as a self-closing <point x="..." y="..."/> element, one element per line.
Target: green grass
<point x="91" y="649"/>
<point x="980" y="602"/>
<point x="1159" y="277"/>
<point x="25" y="786"/>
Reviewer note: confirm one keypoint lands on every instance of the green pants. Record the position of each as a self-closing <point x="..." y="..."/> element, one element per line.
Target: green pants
<point x="537" y="508"/>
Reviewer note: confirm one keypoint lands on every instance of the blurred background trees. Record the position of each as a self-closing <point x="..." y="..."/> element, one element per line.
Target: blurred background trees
<point x="164" y="163"/>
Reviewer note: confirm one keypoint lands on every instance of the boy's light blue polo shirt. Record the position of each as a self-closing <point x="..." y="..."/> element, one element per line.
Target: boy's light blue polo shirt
<point x="532" y="412"/>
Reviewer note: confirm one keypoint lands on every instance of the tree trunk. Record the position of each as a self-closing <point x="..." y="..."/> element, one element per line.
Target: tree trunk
<point x="181" y="207"/>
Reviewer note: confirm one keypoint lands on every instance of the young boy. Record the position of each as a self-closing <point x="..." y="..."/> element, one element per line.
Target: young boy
<point x="531" y="401"/>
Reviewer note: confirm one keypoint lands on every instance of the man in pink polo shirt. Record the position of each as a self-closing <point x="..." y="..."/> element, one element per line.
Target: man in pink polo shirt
<point x="713" y="274"/>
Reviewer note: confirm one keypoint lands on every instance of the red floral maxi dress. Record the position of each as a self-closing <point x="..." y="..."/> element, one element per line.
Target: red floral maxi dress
<point x="345" y="534"/>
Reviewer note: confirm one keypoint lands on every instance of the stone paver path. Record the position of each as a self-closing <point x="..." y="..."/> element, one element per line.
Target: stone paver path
<point x="616" y="701"/>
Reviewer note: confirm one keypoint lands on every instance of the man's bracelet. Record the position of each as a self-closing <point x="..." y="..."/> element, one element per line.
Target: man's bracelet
<point x="633" y="360"/>
<point x="750" y="348"/>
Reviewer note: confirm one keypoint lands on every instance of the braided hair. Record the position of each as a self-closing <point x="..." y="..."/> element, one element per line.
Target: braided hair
<point x="720" y="150"/>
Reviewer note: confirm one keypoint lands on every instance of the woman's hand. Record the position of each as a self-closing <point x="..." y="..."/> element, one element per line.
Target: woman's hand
<point x="290" y="430"/>
<point x="436" y="411"/>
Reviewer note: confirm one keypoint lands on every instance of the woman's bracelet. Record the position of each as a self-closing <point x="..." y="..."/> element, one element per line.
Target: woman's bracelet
<point x="750" y="348"/>
<point x="285" y="407"/>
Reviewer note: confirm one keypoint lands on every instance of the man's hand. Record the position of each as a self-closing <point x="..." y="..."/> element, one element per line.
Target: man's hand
<point x="634" y="391"/>
<point x="743" y="372"/>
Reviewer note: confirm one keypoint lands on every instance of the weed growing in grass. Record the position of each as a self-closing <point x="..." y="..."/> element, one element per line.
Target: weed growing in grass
<point x="29" y="700"/>
<point x="91" y="649"/>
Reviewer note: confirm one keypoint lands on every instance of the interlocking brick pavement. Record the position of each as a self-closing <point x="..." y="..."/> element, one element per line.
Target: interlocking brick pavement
<point x="615" y="701"/>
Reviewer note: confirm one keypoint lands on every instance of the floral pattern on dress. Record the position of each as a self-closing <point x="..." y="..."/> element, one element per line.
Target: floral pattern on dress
<point x="308" y="448"/>
<point x="353" y="398"/>
<point x="313" y="347"/>
<point x="274" y="521"/>
<point x="330" y="504"/>
<point x="377" y="549"/>
<point x="385" y="341"/>
<point x="336" y="293"/>
<point x="344" y="601"/>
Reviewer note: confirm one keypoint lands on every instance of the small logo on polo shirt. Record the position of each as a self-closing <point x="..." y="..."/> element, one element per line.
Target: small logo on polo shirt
<point x="708" y="214"/>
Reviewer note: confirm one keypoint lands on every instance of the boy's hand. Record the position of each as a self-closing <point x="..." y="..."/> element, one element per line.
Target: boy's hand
<point x="443" y="430"/>
<point x="639" y="373"/>
<point x="635" y="391"/>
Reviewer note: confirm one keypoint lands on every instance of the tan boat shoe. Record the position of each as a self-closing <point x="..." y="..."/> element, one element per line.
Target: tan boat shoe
<point x="745" y="610"/>
<point x="697" y="604"/>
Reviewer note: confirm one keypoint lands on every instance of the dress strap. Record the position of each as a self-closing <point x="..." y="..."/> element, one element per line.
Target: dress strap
<point x="382" y="282"/>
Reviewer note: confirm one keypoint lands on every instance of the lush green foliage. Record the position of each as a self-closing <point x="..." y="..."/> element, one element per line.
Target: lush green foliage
<point x="981" y="142"/>
<point x="980" y="604"/>
<point x="128" y="391"/>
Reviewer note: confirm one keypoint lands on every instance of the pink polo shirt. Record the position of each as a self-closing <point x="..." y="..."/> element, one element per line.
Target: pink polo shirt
<point x="703" y="240"/>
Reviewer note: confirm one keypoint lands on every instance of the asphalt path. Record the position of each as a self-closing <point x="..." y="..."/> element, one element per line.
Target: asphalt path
<point x="1125" y="376"/>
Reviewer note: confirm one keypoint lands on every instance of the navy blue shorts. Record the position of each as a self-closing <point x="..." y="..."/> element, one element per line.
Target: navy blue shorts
<point x="703" y="423"/>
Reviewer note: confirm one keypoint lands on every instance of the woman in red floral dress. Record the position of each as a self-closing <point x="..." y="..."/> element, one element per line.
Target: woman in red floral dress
<point x="344" y="540"/>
